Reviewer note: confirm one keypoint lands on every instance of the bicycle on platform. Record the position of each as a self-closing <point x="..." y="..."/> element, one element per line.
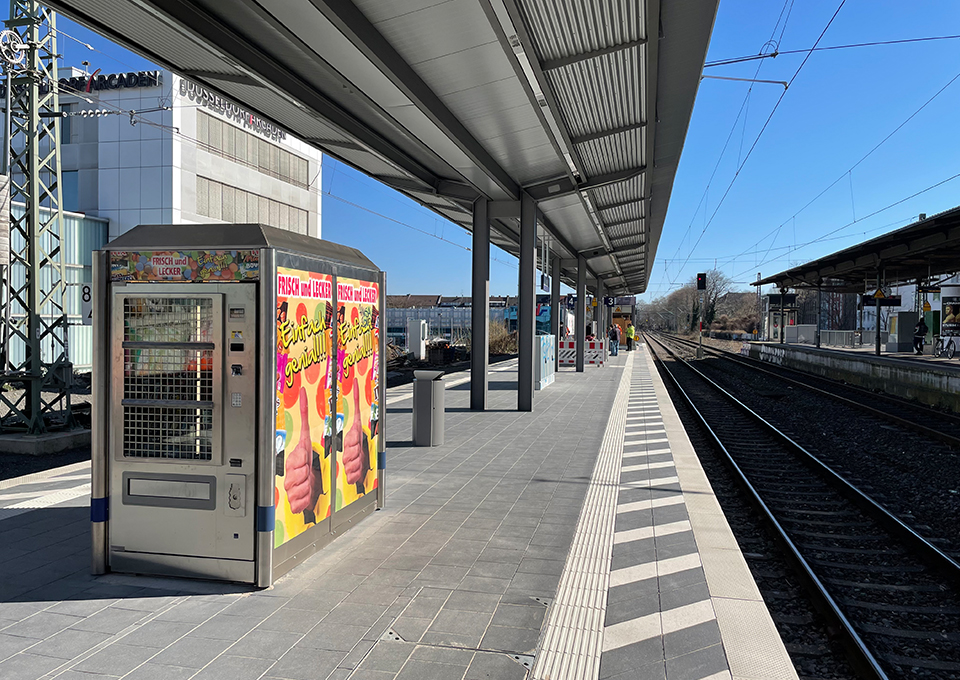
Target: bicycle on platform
<point x="944" y="347"/>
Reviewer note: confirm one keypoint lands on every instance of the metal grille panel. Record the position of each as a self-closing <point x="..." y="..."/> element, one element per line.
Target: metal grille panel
<point x="168" y="374"/>
<point x="167" y="319"/>
<point x="162" y="432"/>
<point x="169" y="363"/>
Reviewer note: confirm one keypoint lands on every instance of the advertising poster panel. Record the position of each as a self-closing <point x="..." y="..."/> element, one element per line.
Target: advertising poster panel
<point x="304" y="426"/>
<point x="950" y="322"/>
<point x="202" y="266"/>
<point x="358" y="383"/>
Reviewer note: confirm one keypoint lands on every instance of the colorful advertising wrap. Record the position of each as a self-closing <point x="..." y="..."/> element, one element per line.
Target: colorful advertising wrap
<point x="214" y="266"/>
<point x="950" y="322"/>
<point x="358" y="385"/>
<point x="305" y="429"/>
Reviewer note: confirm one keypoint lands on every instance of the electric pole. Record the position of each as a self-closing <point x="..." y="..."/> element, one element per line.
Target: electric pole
<point x="34" y="314"/>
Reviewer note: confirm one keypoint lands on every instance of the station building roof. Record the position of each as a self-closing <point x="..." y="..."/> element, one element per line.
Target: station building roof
<point x="920" y="251"/>
<point x="581" y="104"/>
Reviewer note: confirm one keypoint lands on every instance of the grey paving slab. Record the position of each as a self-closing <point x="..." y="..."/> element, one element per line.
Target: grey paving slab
<point x="486" y="666"/>
<point x="387" y="657"/>
<point x="699" y="664"/>
<point x="69" y="643"/>
<point x="303" y="663"/>
<point x="425" y="670"/>
<point x="333" y="637"/>
<point x="115" y="660"/>
<point x="155" y="671"/>
<point x="509" y="639"/>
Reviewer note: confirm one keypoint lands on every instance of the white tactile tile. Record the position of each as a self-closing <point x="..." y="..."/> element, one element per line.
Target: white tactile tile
<point x="571" y="643"/>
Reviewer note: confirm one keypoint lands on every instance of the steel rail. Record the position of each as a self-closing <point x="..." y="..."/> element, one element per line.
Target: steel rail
<point x="937" y="558"/>
<point x="933" y="433"/>
<point x="862" y="657"/>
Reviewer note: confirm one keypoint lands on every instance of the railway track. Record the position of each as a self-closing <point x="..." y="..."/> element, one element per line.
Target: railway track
<point x="894" y="596"/>
<point x="938" y="425"/>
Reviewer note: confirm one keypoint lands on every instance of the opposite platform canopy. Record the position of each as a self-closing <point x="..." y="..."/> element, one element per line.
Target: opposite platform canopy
<point x="583" y="104"/>
<point x="924" y="249"/>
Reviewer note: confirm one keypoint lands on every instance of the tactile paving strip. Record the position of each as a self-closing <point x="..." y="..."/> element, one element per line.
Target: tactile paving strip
<point x="573" y="635"/>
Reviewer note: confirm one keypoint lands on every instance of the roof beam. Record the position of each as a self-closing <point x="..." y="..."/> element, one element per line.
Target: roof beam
<point x="350" y="21"/>
<point x="621" y="204"/>
<point x="584" y="56"/>
<point x="620" y="223"/>
<point x="241" y="78"/>
<point x="583" y="139"/>
<point x="444" y="188"/>
<point x="566" y="186"/>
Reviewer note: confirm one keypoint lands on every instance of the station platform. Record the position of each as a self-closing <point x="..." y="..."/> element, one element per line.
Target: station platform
<point x="930" y="380"/>
<point x="578" y="541"/>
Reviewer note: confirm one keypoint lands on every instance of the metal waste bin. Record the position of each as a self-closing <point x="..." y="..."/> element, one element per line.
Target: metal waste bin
<point x="428" y="408"/>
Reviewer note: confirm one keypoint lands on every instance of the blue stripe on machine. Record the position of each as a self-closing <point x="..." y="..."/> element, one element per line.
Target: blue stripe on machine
<point x="100" y="509"/>
<point x="382" y="460"/>
<point x="266" y="517"/>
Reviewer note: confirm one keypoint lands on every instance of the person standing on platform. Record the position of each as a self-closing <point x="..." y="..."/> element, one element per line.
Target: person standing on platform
<point x="631" y="333"/>
<point x="919" y="335"/>
<point x="614" y="337"/>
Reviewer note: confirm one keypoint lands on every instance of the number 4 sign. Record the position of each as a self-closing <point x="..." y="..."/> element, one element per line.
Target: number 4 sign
<point x="86" y="304"/>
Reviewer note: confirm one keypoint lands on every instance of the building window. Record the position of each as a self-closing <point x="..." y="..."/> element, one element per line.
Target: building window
<point x="70" y="190"/>
<point x="233" y="143"/>
<point x="66" y="123"/>
<point x="222" y="202"/>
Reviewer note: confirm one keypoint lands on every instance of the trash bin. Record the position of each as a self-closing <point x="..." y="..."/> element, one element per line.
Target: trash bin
<point x="428" y="408"/>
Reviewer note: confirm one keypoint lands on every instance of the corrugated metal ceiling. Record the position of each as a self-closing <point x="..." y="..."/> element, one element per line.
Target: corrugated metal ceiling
<point x="449" y="100"/>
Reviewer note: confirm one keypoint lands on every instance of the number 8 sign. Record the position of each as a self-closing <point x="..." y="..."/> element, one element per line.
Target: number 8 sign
<point x="86" y="304"/>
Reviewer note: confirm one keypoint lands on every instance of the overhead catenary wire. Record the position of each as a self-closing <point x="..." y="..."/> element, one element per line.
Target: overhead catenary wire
<point x="198" y="144"/>
<point x="876" y="43"/>
<point x="874" y="213"/>
<point x="762" y="129"/>
<point x="853" y="167"/>
<point x="744" y="106"/>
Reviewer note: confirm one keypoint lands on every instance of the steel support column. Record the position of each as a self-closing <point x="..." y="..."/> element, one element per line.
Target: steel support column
<point x="819" y="308"/>
<point x="600" y="316"/>
<point x="527" y="312"/>
<point x="480" y="313"/>
<point x="581" y="319"/>
<point x="555" y="312"/>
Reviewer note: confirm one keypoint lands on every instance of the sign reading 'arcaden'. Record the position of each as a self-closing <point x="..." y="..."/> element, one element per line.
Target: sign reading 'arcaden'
<point x="216" y="103"/>
<point x="112" y="81"/>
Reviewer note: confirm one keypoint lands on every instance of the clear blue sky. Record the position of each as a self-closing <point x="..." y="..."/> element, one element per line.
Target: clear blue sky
<point x="841" y="105"/>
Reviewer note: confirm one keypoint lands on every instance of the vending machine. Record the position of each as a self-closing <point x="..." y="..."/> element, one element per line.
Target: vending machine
<point x="238" y="385"/>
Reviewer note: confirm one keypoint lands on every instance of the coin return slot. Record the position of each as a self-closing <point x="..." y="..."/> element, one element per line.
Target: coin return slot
<point x="162" y="488"/>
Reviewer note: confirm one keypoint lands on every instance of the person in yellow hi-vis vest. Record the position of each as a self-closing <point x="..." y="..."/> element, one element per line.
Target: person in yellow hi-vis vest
<point x="631" y="333"/>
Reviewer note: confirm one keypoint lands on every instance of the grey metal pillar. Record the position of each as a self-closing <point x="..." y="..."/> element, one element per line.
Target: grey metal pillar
<point x="555" y="312"/>
<point x="877" y="324"/>
<point x="527" y="312"/>
<point x="600" y="316"/>
<point x="581" y="319"/>
<point x="783" y="312"/>
<point x="819" y="309"/>
<point x="480" y="313"/>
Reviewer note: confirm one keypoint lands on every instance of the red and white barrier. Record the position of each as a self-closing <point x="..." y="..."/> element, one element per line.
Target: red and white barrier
<point x="593" y="352"/>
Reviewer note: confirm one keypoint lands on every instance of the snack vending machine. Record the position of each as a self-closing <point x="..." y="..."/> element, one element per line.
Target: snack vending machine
<point x="238" y="391"/>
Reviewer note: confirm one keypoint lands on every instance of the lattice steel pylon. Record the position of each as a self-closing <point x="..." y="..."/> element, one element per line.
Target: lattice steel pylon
<point x="35" y="313"/>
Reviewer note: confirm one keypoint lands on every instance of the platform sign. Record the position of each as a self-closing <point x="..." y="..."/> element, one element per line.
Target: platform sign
<point x="871" y="301"/>
<point x="609" y="302"/>
<point x="86" y="304"/>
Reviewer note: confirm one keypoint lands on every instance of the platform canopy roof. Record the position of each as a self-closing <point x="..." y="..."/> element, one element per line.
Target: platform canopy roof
<point x="584" y="104"/>
<point x="918" y="252"/>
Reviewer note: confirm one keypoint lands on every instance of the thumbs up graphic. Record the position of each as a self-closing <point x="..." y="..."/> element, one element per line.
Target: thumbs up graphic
<point x="302" y="482"/>
<point x="353" y="453"/>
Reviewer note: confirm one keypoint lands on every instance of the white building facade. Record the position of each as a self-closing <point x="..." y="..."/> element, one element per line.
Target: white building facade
<point x="167" y="151"/>
<point x="164" y="151"/>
